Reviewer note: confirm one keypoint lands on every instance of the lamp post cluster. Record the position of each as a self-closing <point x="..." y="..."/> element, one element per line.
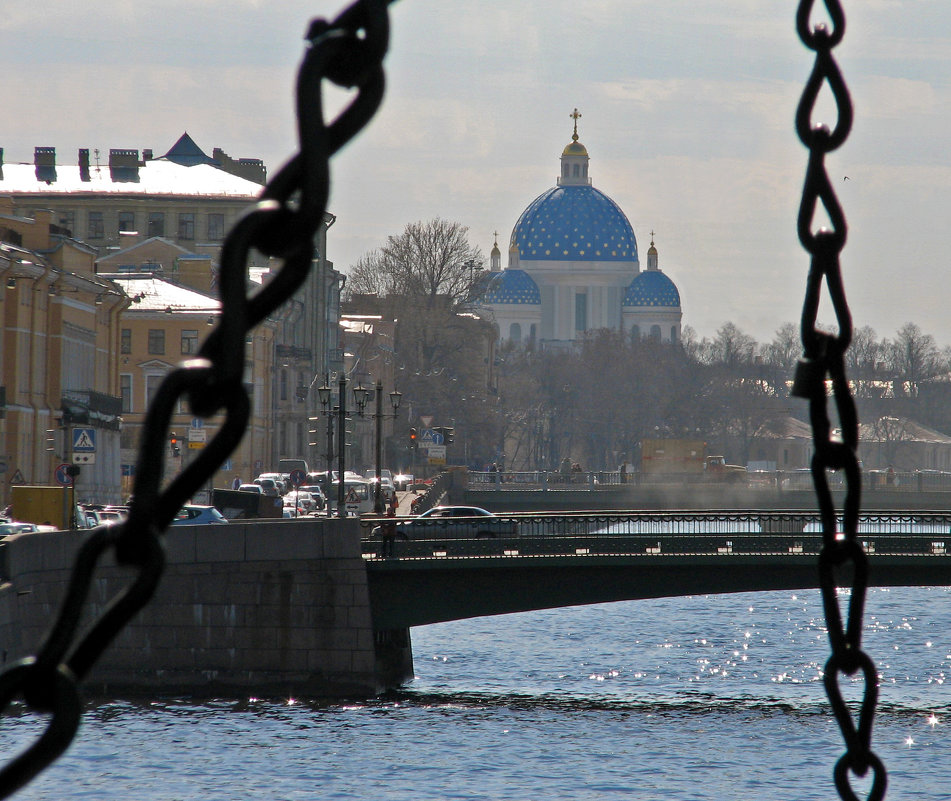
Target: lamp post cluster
<point x="362" y="396"/>
<point x="330" y="412"/>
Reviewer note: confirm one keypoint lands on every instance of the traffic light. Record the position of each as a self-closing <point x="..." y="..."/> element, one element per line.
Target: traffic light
<point x="51" y="439"/>
<point x="413" y="437"/>
<point x="173" y="444"/>
<point x="447" y="435"/>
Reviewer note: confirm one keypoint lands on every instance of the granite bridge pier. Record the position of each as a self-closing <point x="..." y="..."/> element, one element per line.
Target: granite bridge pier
<point x="312" y="608"/>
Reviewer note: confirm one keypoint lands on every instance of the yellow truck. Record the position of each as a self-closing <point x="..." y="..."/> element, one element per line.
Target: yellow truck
<point x="686" y="459"/>
<point x="50" y="506"/>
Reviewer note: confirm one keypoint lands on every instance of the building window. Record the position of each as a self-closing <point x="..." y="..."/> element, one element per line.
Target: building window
<point x="515" y="333"/>
<point x="152" y="384"/>
<point x="126" y="221"/>
<point x="283" y="389"/>
<point x="125" y="392"/>
<point x="156" y="223"/>
<point x="673" y="335"/>
<point x="186" y="225"/>
<point x="189" y="341"/>
<point x="157" y="341"/>
<point x="655" y="333"/>
<point x="216" y="227"/>
<point x="96" y="229"/>
<point x="581" y="312"/>
<point x="68" y="221"/>
<point x="635" y="333"/>
<point x="125" y="340"/>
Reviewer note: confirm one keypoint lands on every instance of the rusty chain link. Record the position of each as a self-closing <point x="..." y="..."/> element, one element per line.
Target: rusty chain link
<point x="842" y="561"/>
<point x="349" y="52"/>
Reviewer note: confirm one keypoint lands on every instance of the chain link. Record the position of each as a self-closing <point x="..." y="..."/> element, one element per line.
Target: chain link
<point x="842" y="561"/>
<point x="349" y="52"/>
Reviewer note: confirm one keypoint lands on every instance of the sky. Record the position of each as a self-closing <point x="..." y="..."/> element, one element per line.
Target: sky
<point x="687" y="113"/>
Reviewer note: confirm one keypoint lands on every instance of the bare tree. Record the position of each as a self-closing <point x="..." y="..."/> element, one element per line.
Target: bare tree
<point x="427" y="260"/>
<point x="912" y="357"/>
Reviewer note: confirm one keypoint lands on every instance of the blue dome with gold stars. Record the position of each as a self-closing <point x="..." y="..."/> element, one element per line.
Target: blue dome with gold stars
<point x="512" y="286"/>
<point x="652" y="288"/>
<point x="574" y="223"/>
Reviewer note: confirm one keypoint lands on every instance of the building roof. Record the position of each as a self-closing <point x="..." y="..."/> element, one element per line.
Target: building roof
<point x="157" y="294"/>
<point x="156" y="177"/>
<point x="512" y="286"/>
<point x="574" y="223"/>
<point x="652" y="288"/>
<point x="187" y="153"/>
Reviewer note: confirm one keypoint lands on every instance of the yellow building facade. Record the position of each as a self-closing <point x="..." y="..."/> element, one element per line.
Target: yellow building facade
<point x="60" y="380"/>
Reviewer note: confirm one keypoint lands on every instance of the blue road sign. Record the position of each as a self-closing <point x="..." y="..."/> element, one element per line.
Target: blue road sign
<point x="297" y="477"/>
<point x="84" y="440"/>
<point x="430" y="437"/>
<point x="62" y="477"/>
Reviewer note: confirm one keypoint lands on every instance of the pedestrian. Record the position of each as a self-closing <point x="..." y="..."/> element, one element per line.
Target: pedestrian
<point x="388" y="532"/>
<point x="236" y="483"/>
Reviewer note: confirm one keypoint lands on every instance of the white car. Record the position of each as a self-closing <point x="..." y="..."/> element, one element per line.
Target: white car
<point x="191" y="515"/>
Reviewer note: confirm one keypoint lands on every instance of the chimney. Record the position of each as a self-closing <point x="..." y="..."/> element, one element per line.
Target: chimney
<point x="44" y="162"/>
<point x="84" y="164"/>
<point x="1" y="163"/>
<point x="146" y="154"/>
<point x="124" y="166"/>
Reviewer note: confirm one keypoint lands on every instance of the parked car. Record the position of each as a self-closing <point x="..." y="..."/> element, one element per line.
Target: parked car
<point x="191" y="515"/>
<point x="269" y="487"/>
<point x="455" y="522"/>
<point x="13" y="527"/>
<point x="251" y="488"/>
<point x="301" y="499"/>
<point x="317" y="493"/>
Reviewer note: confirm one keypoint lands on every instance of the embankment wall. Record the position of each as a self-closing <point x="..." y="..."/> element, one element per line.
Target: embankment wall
<point x="261" y="608"/>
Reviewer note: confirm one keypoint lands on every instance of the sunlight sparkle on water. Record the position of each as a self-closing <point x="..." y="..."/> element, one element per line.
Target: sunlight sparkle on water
<point x="909" y="741"/>
<point x="932" y="720"/>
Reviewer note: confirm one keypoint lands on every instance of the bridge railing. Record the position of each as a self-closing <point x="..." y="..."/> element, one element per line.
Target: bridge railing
<point x="792" y="480"/>
<point x="645" y="533"/>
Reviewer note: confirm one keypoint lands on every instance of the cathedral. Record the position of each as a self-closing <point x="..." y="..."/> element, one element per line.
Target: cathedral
<point x="573" y="268"/>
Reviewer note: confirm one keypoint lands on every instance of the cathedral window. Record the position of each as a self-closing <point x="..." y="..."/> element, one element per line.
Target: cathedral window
<point x="655" y="333"/>
<point x="581" y="312"/>
<point x="515" y="333"/>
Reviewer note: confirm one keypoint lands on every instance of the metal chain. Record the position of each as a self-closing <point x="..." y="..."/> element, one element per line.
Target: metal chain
<point x="349" y="52"/>
<point x="842" y="558"/>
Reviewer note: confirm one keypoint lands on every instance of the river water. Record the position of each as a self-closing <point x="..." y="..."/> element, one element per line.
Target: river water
<point x="706" y="697"/>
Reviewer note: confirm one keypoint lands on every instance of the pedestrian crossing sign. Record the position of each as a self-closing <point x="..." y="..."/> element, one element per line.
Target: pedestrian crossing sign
<point x="84" y="440"/>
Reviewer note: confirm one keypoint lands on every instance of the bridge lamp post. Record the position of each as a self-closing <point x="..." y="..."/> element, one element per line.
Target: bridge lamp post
<point x="362" y="396"/>
<point x="328" y="411"/>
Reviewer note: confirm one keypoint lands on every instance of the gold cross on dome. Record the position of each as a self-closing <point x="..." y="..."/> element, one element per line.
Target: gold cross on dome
<point x="575" y="115"/>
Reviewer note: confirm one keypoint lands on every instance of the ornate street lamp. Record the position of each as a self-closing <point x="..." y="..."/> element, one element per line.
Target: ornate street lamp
<point x="362" y="396"/>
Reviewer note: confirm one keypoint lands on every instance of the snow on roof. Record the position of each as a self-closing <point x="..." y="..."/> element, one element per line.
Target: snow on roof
<point x="158" y="294"/>
<point x="156" y="177"/>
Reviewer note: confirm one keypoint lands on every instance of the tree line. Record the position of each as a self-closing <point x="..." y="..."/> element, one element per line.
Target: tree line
<point x="595" y="402"/>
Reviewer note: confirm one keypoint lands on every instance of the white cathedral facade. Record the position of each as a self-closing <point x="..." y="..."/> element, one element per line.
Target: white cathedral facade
<point x="573" y="268"/>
